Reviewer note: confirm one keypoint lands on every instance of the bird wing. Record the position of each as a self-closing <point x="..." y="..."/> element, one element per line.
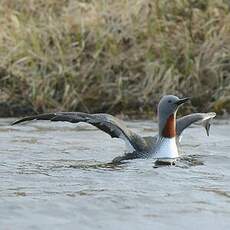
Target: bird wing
<point x="184" y="122"/>
<point x="105" y="122"/>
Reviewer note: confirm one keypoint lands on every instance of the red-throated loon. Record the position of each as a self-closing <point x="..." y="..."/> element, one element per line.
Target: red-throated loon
<point x="162" y="146"/>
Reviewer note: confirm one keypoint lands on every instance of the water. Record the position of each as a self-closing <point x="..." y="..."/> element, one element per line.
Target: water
<point x="56" y="176"/>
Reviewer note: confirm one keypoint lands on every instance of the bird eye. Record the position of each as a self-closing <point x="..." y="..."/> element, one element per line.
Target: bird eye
<point x="169" y="101"/>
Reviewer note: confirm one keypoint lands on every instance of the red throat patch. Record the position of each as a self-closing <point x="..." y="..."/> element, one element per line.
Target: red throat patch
<point x="170" y="127"/>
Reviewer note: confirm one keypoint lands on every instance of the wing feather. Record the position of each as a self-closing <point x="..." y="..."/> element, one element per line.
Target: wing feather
<point x="184" y="122"/>
<point x="105" y="122"/>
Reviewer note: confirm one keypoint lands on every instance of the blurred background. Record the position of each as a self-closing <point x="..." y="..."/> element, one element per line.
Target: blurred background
<point x="112" y="56"/>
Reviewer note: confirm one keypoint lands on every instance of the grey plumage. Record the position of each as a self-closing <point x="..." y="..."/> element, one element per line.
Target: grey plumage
<point x="105" y="122"/>
<point x="184" y="122"/>
<point x="111" y="125"/>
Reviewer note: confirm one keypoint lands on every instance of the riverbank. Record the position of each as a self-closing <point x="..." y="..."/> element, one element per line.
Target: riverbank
<point x="113" y="56"/>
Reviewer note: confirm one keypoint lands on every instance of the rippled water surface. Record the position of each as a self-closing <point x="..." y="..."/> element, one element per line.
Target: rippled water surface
<point x="56" y="176"/>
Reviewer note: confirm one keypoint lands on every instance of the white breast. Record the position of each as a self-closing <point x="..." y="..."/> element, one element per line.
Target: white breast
<point x="166" y="148"/>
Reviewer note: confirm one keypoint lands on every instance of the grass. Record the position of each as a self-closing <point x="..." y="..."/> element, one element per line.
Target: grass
<point x="113" y="56"/>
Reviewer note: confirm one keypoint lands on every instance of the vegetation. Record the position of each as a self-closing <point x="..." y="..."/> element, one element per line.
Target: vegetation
<point x="113" y="56"/>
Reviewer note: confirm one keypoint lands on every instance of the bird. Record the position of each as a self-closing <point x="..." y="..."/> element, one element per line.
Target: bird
<point x="162" y="146"/>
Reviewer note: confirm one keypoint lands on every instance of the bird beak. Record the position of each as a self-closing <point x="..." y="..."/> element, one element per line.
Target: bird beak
<point x="182" y="101"/>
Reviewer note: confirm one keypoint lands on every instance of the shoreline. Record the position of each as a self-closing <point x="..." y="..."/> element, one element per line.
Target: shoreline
<point x="13" y="110"/>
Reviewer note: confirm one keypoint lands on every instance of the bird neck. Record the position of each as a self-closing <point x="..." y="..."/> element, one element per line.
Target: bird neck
<point x="169" y="128"/>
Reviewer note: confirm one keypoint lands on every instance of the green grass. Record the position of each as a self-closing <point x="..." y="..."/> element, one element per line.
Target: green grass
<point x="113" y="56"/>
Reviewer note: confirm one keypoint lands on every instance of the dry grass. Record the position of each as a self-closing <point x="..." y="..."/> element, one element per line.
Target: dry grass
<point x="113" y="56"/>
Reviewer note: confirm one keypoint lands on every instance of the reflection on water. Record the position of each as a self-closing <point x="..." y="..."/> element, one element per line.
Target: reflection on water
<point x="190" y="160"/>
<point x="218" y="192"/>
<point x="103" y="166"/>
<point x="59" y="176"/>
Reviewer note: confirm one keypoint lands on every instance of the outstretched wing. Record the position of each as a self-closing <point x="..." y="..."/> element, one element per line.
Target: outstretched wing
<point x="184" y="122"/>
<point x="105" y="122"/>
